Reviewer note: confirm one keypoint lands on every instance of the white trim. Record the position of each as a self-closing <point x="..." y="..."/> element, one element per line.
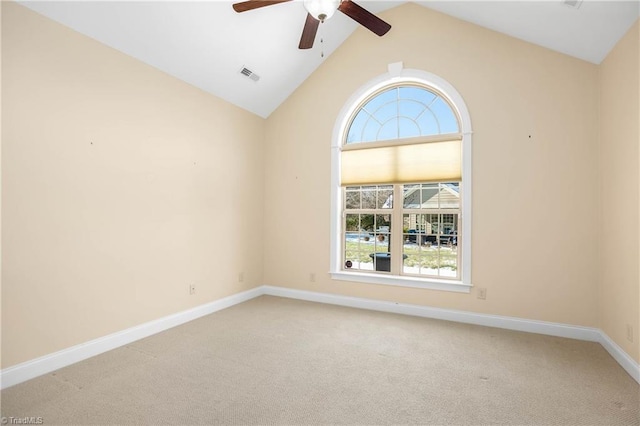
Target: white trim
<point x="402" y="281"/>
<point x="625" y="361"/>
<point x="510" y="323"/>
<point x="395" y="68"/>
<point x="396" y="74"/>
<point x="48" y="363"/>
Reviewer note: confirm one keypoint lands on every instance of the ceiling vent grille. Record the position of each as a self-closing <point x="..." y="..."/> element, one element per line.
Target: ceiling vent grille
<point x="574" y="4"/>
<point x="247" y="72"/>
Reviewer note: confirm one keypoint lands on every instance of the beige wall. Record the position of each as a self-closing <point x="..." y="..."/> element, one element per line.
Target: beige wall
<point x="619" y="191"/>
<point x="121" y="186"/>
<point x="535" y="216"/>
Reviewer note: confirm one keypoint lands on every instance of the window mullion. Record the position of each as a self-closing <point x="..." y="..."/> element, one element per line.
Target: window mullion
<point x="396" y="234"/>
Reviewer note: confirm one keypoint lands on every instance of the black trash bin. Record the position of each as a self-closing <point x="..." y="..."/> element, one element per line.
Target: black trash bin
<point x="382" y="261"/>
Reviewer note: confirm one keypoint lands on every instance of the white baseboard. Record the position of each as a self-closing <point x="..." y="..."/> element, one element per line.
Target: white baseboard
<point x="48" y="363"/>
<point x="625" y="361"/>
<point x="510" y="323"/>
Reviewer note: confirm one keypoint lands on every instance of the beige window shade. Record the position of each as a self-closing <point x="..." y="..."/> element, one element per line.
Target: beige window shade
<point x="423" y="162"/>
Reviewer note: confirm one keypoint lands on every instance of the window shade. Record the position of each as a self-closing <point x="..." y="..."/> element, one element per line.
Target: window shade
<point x="423" y="162"/>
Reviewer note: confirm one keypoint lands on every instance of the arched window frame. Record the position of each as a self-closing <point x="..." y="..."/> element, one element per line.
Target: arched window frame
<point x="398" y="76"/>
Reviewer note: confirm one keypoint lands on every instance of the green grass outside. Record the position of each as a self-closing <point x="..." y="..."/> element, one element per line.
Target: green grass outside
<point x="425" y="257"/>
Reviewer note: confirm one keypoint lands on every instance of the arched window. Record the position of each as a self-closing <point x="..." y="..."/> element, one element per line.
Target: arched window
<point x="402" y="185"/>
<point x="402" y="111"/>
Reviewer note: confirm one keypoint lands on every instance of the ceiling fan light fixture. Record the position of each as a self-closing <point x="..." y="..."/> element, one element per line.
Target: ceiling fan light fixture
<point x="321" y="9"/>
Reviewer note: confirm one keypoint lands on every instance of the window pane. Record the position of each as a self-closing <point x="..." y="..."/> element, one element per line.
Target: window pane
<point x="446" y="118"/>
<point x="448" y="261"/>
<point x="383" y="232"/>
<point x="386" y="112"/>
<point x="352" y="222"/>
<point x="450" y="195"/>
<point x="358" y="260"/>
<point x="385" y="97"/>
<point x="352" y="199"/>
<point x="411" y="263"/>
<point x="429" y="193"/>
<point x="448" y="224"/>
<point x="402" y="112"/>
<point x="389" y="130"/>
<point x="411" y="241"/>
<point x="407" y="128"/>
<point x="368" y="197"/>
<point x="357" y="126"/>
<point x="385" y="197"/>
<point x="410" y="109"/>
<point x="424" y="223"/>
<point x="358" y="241"/>
<point x="367" y="222"/>
<point x="433" y="222"/>
<point x="413" y="231"/>
<point x="351" y="260"/>
<point x="382" y="253"/>
<point x="370" y="130"/>
<point x="428" y="123"/>
<point x="411" y="197"/>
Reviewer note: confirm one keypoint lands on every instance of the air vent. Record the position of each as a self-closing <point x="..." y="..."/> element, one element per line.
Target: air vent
<point x="253" y="76"/>
<point x="574" y="4"/>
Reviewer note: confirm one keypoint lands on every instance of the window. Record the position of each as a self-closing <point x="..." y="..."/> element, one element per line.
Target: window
<point x="401" y="185"/>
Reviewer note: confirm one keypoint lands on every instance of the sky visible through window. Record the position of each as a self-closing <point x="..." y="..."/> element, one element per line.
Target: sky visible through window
<point x="402" y="112"/>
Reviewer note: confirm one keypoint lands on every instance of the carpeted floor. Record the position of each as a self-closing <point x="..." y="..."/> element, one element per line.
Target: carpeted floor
<point x="280" y="361"/>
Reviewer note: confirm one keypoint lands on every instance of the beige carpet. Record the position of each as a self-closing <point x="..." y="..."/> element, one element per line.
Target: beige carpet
<point x="280" y="361"/>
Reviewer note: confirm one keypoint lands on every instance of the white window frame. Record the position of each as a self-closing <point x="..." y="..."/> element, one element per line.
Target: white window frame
<point x="397" y="76"/>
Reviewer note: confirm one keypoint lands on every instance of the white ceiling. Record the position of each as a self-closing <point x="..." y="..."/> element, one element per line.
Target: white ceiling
<point x="206" y="43"/>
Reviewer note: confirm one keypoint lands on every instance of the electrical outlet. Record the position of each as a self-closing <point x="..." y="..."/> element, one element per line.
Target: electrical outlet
<point x="241" y="277"/>
<point x="312" y="277"/>
<point x="482" y="293"/>
<point x="192" y="289"/>
<point x="629" y="333"/>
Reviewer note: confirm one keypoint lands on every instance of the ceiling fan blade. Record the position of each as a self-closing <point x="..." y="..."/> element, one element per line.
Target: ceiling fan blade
<point x="364" y="17"/>
<point x="309" y="32"/>
<point x="255" y="4"/>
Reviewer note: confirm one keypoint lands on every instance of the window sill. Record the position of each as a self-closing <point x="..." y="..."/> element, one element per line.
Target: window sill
<point x="425" y="283"/>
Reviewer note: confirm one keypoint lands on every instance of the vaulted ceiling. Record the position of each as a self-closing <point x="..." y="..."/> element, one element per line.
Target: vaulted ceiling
<point x="207" y="44"/>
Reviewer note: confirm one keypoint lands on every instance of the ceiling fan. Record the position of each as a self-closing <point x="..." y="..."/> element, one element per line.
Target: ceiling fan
<point x="320" y="10"/>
